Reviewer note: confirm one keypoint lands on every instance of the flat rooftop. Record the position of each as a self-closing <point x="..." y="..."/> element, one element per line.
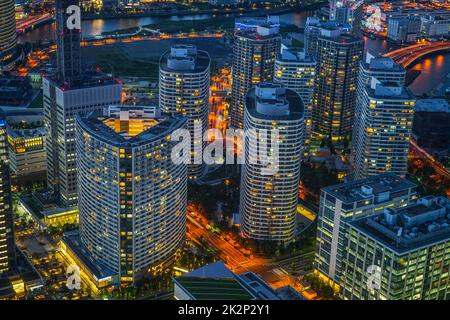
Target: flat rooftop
<point x="89" y="79"/>
<point x="382" y="64"/>
<point x="295" y="55"/>
<point x="418" y="225"/>
<point x="353" y="191"/>
<point x="432" y="105"/>
<point x="200" y="61"/>
<point x="257" y="36"/>
<point x="26" y="133"/>
<point x="341" y="38"/>
<point x="73" y="241"/>
<point x="213" y="282"/>
<point x="389" y="90"/>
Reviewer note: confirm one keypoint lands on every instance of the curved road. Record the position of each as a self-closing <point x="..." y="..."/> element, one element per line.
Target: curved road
<point x="408" y="55"/>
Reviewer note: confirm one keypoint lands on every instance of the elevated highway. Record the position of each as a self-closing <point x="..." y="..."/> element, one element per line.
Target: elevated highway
<point x="408" y="55"/>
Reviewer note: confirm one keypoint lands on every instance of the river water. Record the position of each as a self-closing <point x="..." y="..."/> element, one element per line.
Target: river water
<point x="434" y="69"/>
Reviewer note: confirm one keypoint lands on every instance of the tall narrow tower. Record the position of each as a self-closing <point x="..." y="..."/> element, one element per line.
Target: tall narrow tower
<point x="295" y="69"/>
<point x="347" y="11"/>
<point x="338" y="59"/>
<point x="254" y="55"/>
<point x="137" y="222"/>
<point x="68" y="36"/>
<point x="383" y="133"/>
<point x="184" y="74"/>
<point x="384" y="69"/>
<point x="7" y="255"/>
<point x="67" y="93"/>
<point x="268" y="205"/>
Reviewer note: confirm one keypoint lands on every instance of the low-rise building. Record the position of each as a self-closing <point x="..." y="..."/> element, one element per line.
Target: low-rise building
<point x="216" y="282"/>
<point x="43" y="208"/>
<point x="403" y="29"/>
<point x="435" y="26"/>
<point x="27" y="156"/>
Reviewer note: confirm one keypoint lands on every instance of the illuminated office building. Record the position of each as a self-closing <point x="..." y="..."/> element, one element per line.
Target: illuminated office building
<point x="408" y="247"/>
<point x="26" y="150"/>
<point x="338" y="58"/>
<point x="254" y="55"/>
<point x="67" y="93"/>
<point x="268" y="200"/>
<point x="346" y="202"/>
<point x="184" y="78"/>
<point x="132" y="198"/>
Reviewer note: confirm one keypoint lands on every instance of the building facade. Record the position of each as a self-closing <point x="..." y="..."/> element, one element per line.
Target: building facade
<point x="60" y="108"/>
<point x="67" y="93"/>
<point x="403" y="29"/>
<point x="338" y="59"/>
<point x="7" y="246"/>
<point x="184" y="78"/>
<point x="296" y="70"/>
<point x="268" y="200"/>
<point x="8" y="37"/>
<point x="254" y="55"/>
<point x="313" y="29"/>
<point x="383" y="131"/>
<point x="433" y="26"/>
<point x="132" y="198"/>
<point x="384" y="69"/>
<point x="347" y="11"/>
<point x="407" y="247"/>
<point x="27" y="156"/>
<point x="346" y="202"/>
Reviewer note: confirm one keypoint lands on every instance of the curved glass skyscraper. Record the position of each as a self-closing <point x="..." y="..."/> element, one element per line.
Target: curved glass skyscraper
<point x="274" y="122"/>
<point x="132" y="198"/>
<point x="184" y="74"/>
<point x="8" y="37"/>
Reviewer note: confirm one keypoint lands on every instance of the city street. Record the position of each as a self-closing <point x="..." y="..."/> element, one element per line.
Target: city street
<point x="240" y="260"/>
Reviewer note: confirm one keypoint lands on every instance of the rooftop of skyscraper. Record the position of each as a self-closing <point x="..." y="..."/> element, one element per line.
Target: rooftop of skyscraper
<point x="129" y="125"/>
<point x="262" y="32"/>
<point x="388" y="90"/>
<point x="295" y="55"/>
<point x="26" y="133"/>
<point x="327" y="24"/>
<point x="340" y="37"/>
<point x="185" y="58"/>
<point x="90" y="78"/>
<point x="381" y="187"/>
<point x="273" y="101"/>
<point x="251" y="23"/>
<point x="420" y="224"/>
